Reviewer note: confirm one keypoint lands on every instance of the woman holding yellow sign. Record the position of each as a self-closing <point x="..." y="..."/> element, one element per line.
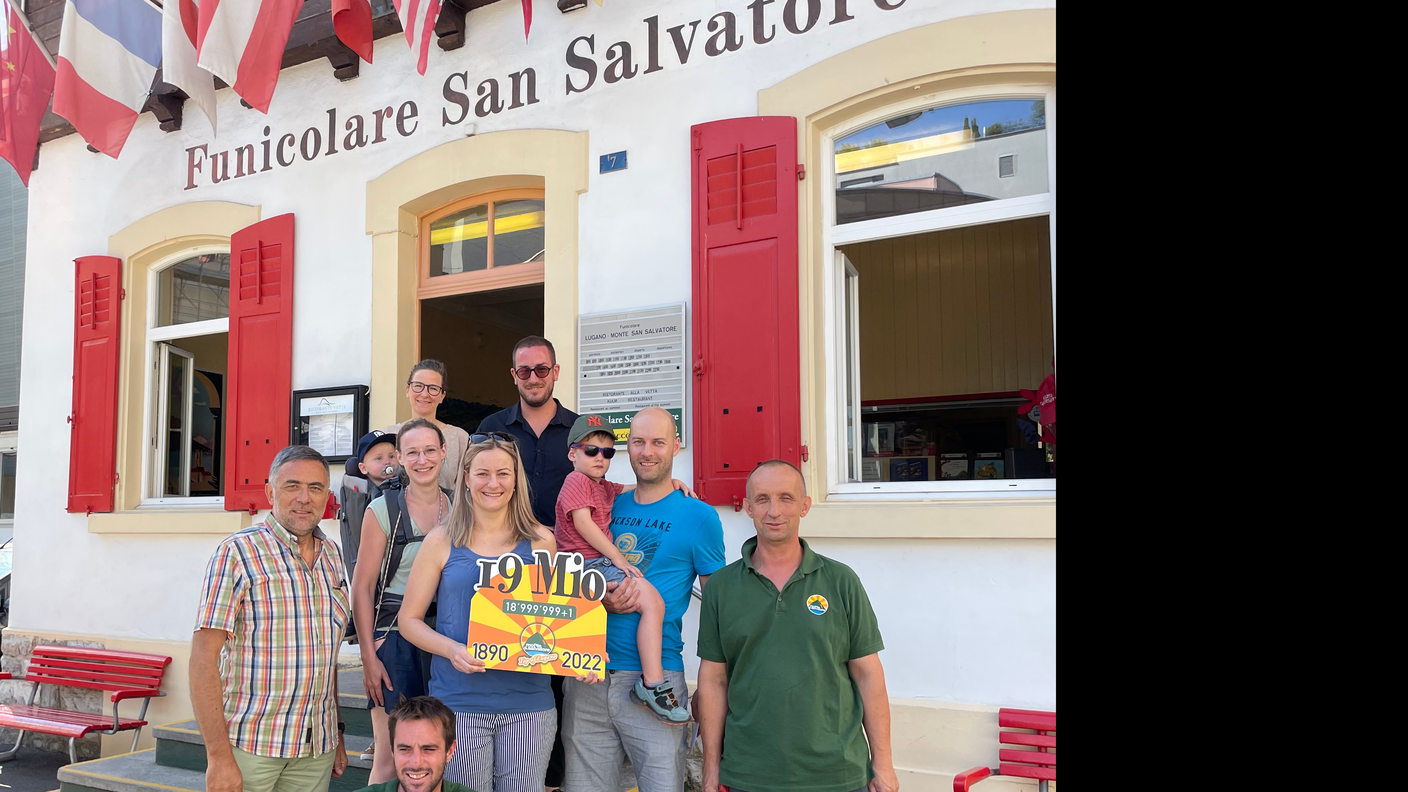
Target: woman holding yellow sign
<point x="504" y="720"/>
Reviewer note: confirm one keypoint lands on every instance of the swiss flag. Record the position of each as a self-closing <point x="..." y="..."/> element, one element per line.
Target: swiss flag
<point x="26" y="86"/>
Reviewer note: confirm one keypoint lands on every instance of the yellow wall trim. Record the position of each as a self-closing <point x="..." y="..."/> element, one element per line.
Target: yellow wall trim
<point x="969" y="519"/>
<point x="169" y="521"/>
<point x="555" y="160"/>
<point x="160" y="234"/>
<point x="1010" y="47"/>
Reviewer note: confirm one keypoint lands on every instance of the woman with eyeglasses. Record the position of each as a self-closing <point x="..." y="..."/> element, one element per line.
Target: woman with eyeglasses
<point x="504" y="720"/>
<point x="392" y="532"/>
<point x="425" y="389"/>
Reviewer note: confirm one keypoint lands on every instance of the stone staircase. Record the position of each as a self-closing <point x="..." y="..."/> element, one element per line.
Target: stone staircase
<point x="177" y="763"/>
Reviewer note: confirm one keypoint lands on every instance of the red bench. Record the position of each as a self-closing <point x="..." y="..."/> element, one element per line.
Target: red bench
<point x="1020" y="762"/>
<point x="127" y="674"/>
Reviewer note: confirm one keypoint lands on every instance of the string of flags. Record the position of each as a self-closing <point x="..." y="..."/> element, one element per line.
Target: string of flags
<point x="109" y="51"/>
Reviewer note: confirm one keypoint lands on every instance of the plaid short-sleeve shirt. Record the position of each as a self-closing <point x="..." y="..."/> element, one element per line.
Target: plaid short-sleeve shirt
<point x="285" y="621"/>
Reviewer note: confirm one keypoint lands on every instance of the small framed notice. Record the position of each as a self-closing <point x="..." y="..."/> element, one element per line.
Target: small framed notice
<point x="330" y="420"/>
<point x="540" y="618"/>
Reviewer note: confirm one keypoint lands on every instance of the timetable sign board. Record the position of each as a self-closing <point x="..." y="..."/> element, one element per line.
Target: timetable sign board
<point x="629" y="360"/>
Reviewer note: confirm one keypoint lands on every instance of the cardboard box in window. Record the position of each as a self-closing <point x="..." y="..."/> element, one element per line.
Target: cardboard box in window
<point x="907" y="468"/>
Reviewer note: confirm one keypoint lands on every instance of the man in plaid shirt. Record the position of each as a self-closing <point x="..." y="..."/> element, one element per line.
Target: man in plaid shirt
<point x="270" y="623"/>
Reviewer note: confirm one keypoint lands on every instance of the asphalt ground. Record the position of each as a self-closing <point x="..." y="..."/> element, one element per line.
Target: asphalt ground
<point x="32" y="770"/>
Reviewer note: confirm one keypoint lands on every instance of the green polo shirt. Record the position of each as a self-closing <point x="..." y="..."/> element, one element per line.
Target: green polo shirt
<point x="794" y="713"/>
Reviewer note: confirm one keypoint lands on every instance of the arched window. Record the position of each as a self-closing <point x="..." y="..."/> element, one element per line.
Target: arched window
<point x="187" y="346"/>
<point x="483" y="242"/>
<point x="942" y="288"/>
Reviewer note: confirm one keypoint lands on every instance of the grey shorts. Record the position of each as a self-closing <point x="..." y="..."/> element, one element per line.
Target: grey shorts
<point x="607" y="569"/>
<point x="601" y="726"/>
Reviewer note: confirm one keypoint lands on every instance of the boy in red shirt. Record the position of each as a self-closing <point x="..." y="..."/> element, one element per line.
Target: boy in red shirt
<point x="584" y="526"/>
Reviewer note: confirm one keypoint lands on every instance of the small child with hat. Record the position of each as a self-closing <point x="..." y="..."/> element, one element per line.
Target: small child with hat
<point x="583" y="525"/>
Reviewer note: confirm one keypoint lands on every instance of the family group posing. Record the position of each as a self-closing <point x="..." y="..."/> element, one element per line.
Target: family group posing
<point x="791" y="693"/>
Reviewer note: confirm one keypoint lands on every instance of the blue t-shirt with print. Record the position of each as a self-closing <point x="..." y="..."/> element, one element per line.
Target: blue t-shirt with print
<point x="670" y="541"/>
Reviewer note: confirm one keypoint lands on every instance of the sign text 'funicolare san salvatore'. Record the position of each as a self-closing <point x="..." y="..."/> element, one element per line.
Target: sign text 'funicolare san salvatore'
<point x="589" y="63"/>
<point x="539" y="618"/>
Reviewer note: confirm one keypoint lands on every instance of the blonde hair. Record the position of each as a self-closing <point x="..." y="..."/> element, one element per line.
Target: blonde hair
<point x="460" y="524"/>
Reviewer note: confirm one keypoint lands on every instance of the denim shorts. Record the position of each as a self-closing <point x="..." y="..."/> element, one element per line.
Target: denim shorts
<point x="607" y="569"/>
<point x="406" y="665"/>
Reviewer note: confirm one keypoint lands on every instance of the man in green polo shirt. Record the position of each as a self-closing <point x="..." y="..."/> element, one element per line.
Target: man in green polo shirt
<point x="789" y="668"/>
<point x="422" y="741"/>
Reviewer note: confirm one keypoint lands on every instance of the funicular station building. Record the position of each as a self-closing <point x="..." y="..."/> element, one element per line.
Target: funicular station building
<point x="846" y="208"/>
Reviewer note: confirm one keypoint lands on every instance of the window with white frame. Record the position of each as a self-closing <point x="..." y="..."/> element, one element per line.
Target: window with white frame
<point x="941" y="294"/>
<point x="9" y="460"/>
<point x="187" y="348"/>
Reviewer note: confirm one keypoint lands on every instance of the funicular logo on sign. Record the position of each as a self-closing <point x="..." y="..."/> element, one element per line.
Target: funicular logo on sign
<point x="539" y="618"/>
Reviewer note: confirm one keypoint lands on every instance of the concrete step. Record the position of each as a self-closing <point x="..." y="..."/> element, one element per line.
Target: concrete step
<point x="181" y="745"/>
<point x="140" y="772"/>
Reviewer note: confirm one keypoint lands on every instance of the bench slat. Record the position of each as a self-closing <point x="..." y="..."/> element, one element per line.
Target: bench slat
<point x="145" y="672"/>
<point x="112" y="655"/>
<point x="116" y="678"/>
<point x="49" y="679"/>
<point x="1030" y="757"/>
<point x="1025" y="771"/>
<point x="1038" y="720"/>
<point x="62" y="723"/>
<point x="1022" y="738"/>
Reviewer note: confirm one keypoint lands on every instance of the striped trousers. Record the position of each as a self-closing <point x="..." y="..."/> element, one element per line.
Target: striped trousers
<point x="502" y="753"/>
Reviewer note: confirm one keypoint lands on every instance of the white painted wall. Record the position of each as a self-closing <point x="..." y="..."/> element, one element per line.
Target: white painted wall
<point x="634" y="251"/>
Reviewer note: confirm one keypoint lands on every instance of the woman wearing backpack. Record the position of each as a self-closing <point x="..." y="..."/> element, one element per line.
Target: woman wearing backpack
<point x="392" y="667"/>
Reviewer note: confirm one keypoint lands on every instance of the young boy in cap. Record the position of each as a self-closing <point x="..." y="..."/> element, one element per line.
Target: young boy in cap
<point x="583" y="526"/>
<point x="376" y="454"/>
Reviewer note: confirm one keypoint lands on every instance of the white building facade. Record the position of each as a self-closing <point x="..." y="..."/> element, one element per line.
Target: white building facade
<point x="918" y="320"/>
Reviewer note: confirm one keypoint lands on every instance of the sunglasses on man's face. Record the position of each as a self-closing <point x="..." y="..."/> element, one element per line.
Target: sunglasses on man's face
<point x="484" y="437"/>
<point x="524" y="372"/>
<point x="591" y="450"/>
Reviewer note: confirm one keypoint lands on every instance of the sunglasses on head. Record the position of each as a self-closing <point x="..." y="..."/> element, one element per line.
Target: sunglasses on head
<point x="591" y="450"/>
<point x="524" y="372"/>
<point x="484" y="437"/>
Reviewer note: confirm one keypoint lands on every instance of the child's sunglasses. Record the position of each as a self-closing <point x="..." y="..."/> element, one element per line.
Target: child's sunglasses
<point x="591" y="450"/>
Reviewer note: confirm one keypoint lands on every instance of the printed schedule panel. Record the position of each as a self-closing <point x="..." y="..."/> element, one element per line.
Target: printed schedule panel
<point x="540" y="618"/>
<point x="628" y="360"/>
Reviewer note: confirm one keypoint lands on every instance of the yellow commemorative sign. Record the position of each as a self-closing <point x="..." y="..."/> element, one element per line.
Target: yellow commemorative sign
<point x="540" y="618"/>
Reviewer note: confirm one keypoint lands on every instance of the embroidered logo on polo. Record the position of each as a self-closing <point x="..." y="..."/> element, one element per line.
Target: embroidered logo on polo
<point x="817" y="604"/>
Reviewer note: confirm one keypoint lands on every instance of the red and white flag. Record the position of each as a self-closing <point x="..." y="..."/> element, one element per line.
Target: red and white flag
<point x="418" y="20"/>
<point x="352" y="21"/>
<point x="26" y="85"/>
<point x="179" y="25"/>
<point x="242" y="42"/>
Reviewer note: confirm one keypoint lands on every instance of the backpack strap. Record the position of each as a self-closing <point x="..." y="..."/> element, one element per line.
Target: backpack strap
<point x="400" y="537"/>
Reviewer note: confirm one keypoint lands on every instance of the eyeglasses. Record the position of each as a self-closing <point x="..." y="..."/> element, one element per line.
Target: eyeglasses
<point x="542" y="370"/>
<point x="591" y="450"/>
<point x="484" y="437"/>
<point x="421" y="387"/>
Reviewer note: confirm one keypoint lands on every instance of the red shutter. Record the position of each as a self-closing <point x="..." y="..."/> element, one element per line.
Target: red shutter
<point x="747" y="403"/>
<point x="97" y="314"/>
<point x="261" y="357"/>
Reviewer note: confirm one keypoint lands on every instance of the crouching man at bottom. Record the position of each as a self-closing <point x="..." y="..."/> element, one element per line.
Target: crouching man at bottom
<point x="422" y="742"/>
<point x="789" y="664"/>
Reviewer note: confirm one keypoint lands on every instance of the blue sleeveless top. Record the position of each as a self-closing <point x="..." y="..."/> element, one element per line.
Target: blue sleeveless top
<point x="489" y="692"/>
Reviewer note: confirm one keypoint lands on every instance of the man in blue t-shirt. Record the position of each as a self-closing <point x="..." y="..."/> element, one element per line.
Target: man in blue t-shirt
<point x="671" y="538"/>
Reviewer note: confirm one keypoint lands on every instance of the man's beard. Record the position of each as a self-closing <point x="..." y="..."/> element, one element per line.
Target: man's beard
<point x="433" y="781"/>
<point x="663" y="472"/>
<point x="540" y="398"/>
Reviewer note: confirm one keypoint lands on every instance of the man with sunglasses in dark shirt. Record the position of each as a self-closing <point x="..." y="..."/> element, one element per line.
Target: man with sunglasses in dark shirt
<point x="539" y="425"/>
